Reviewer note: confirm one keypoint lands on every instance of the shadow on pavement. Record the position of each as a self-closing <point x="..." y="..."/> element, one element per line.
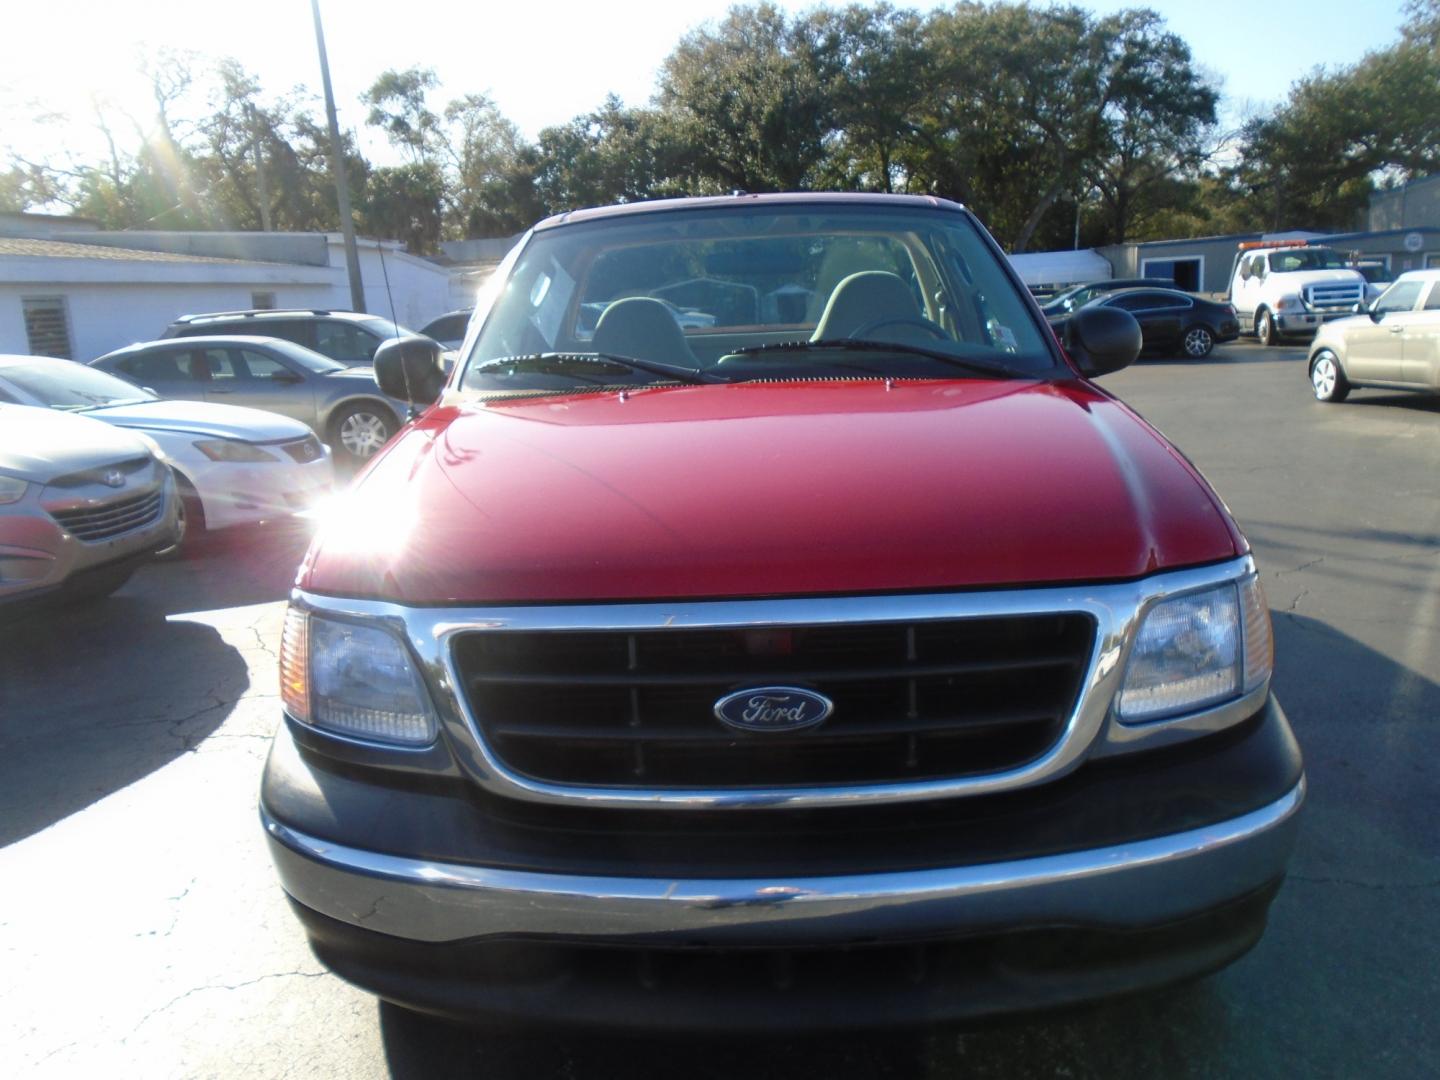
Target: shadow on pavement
<point x="92" y="698"/>
<point x="1381" y="398"/>
<point x="421" y="1047"/>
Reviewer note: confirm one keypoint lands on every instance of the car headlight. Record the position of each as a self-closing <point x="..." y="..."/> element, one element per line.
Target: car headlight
<point x="232" y="450"/>
<point x="1197" y="650"/>
<point x="353" y="680"/>
<point x="12" y="489"/>
<point x="1289" y="303"/>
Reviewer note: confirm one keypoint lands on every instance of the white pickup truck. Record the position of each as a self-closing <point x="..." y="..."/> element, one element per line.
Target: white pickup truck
<point x="1288" y="289"/>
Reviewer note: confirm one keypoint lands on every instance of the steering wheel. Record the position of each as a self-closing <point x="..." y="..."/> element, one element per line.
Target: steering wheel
<point x="863" y="332"/>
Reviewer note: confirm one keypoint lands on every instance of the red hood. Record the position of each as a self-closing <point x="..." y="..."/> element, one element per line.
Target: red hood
<point x="768" y="489"/>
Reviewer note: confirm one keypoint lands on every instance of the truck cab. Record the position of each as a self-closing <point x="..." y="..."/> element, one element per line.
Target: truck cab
<point x="1288" y="289"/>
<point x="769" y="625"/>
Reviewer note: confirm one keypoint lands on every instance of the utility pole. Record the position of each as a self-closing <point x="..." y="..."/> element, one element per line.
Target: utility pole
<point x="262" y="192"/>
<point x="337" y="165"/>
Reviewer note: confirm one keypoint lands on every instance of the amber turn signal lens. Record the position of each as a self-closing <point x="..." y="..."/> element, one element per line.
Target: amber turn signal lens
<point x="295" y="665"/>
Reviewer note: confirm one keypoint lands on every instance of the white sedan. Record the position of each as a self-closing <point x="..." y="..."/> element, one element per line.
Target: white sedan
<point x="234" y="466"/>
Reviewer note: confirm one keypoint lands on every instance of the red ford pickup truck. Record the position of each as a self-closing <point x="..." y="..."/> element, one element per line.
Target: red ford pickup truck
<point x="769" y="625"/>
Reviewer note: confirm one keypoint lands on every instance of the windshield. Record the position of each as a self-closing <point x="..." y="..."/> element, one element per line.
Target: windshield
<point x="309" y="359"/>
<point x="62" y="384"/>
<point x="714" y="291"/>
<point x="1285" y="262"/>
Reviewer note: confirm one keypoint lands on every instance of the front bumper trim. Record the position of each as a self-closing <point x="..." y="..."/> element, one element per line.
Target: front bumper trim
<point x="1143" y="883"/>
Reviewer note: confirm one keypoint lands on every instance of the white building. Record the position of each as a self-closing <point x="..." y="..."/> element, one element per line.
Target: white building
<point x="69" y="289"/>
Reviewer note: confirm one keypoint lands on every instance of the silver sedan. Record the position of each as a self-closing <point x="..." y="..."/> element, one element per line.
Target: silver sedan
<point x="1393" y="345"/>
<point x="340" y="404"/>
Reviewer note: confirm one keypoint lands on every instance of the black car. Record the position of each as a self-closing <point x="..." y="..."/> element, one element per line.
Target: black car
<point x="1063" y="303"/>
<point x="1172" y="323"/>
<point x="347" y="337"/>
<point x="449" y="329"/>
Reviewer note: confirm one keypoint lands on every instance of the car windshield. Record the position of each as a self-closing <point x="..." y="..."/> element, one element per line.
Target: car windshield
<point x="384" y="328"/>
<point x="309" y="359"/>
<point x="729" y="294"/>
<point x="62" y="384"/>
<point x="1285" y="262"/>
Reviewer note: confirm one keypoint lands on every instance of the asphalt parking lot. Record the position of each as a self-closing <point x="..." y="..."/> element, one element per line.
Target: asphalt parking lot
<point x="143" y="933"/>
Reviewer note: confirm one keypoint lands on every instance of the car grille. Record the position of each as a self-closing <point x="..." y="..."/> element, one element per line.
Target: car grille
<point x="86" y="477"/>
<point x="913" y="701"/>
<point x="109" y="520"/>
<point x="1335" y="296"/>
<point x="304" y="450"/>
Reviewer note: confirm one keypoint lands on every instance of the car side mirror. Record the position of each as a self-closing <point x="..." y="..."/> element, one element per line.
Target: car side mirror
<point x="410" y="369"/>
<point x="1101" y="340"/>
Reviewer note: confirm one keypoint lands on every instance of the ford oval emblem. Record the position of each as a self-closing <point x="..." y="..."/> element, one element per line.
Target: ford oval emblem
<point x="773" y="708"/>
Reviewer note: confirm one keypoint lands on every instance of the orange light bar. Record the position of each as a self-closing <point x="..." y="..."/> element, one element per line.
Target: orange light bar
<point x="1251" y="245"/>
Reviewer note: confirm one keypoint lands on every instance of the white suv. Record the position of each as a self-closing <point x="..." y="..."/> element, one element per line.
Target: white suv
<point x="1289" y="289"/>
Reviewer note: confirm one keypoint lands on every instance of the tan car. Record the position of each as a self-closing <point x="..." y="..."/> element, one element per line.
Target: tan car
<point x="1395" y="344"/>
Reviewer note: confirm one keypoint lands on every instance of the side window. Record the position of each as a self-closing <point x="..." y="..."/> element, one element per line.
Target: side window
<point x="260" y="366"/>
<point x="216" y="365"/>
<point x="1143" y="302"/>
<point x="345" y="342"/>
<point x="1400" y="297"/>
<point x="164" y="367"/>
<point x="1432" y="302"/>
<point x="289" y="329"/>
<point x="1257" y="268"/>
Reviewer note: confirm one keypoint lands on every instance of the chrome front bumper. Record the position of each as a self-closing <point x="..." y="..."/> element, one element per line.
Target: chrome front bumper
<point x="1144" y="883"/>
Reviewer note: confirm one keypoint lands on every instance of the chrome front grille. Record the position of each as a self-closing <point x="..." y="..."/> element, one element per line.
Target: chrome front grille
<point x="1335" y="295"/>
<point x="105" y="521"/>
<point x="913" y="700"/>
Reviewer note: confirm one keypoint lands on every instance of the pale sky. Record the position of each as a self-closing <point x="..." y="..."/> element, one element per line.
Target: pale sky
<point x="542" y="61"/>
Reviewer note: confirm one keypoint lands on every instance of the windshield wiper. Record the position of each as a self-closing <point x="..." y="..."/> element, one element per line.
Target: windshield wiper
<point x="650" y="367"/>
<point x="981" y="367"/>
<point x="104" y="404"/>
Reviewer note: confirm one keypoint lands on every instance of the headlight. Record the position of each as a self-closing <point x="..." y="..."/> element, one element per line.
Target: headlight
<point x="1289" y="303"/>
<point x="353" y="680"/>
<point x="12" y="489"/>
<point x="232" y="450"/>
<point x="1198" y="650"/>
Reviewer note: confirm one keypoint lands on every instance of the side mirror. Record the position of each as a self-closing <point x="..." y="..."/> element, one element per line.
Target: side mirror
<point x="409" y="368"/>
<point x="1102" y="339"/>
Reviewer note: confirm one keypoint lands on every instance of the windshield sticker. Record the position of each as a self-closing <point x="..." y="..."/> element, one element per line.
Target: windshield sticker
<point x="552" y="302"/>
<point x="1003" y="336"/>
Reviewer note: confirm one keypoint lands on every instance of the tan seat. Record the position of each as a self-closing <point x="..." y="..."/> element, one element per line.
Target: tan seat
<point x="873" y="302"/>
<point x="645" y="329"/>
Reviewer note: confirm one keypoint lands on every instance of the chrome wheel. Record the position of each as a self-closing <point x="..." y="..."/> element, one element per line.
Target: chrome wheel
<point x="1326" y="378"/>
<point x="1265" y="328"/>
<point x="362" y="433"/>
<point x="1198" y="342"/>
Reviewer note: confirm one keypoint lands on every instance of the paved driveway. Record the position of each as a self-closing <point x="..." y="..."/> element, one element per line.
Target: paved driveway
<point x="142" y="932"/>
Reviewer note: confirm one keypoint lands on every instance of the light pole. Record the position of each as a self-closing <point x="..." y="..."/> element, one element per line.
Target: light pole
<point x="337" y="165"/>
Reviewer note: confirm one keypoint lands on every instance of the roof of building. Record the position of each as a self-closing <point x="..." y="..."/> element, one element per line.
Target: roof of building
<point x="64" y="249"/>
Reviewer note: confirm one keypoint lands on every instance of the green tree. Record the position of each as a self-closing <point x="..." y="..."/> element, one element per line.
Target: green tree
<point x="1316" y="159"/>
<point x="398" y="106"/>
<point x="752" y="98"/>
<point x="403" y="202"/>
<point x="614" y="154"/>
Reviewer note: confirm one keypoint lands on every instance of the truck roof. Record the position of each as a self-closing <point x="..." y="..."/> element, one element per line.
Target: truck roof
<point x="798" y="198"/>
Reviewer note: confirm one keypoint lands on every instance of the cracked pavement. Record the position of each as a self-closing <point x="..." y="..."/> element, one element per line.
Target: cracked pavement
<point x="143" y="934"/>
